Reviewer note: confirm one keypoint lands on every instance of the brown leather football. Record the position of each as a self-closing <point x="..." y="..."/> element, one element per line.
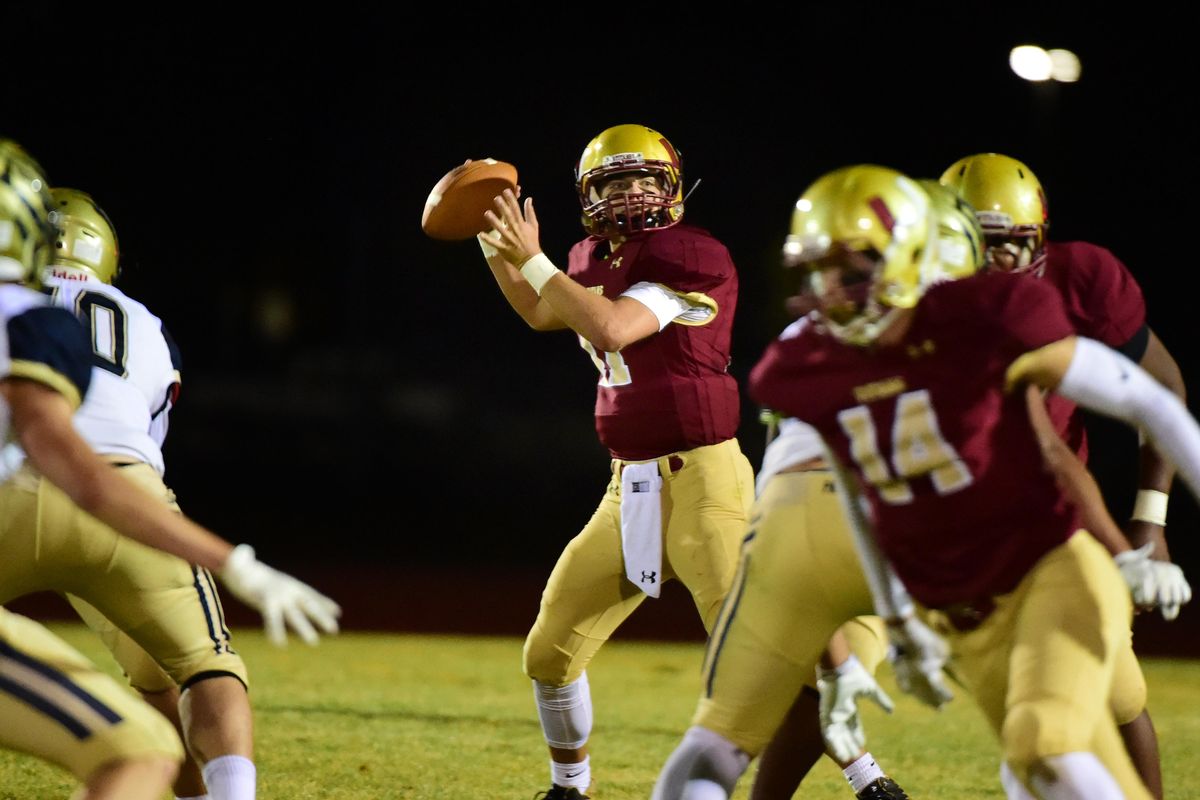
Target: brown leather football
<point x="454" y="210"/>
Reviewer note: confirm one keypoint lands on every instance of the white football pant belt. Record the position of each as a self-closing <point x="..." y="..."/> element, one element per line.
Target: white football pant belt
<point x="641" y="526"/>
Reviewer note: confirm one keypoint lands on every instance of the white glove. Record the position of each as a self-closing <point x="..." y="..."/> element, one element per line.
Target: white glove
<point x="840" y="689"/>
<point x="918" y="655"/>
<point x="278" y="597"/>
<point x="1154" y="583"/>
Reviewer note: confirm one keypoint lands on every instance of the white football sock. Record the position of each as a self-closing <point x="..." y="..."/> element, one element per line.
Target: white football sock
<point x="578" y="775"/>
<point x="705" y="766"/>
<point x="230" y="778"/>
<point x="704" y="790"/>
<point x="1077" y="776"/>
<point x="862" y="772"/>
<point x="1013" y="788"/>
<point x="197" y="797"/>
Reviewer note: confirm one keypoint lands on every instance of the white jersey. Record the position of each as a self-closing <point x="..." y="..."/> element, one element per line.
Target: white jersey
<point x="797" y="441"/>
<point x="135" y="371"/>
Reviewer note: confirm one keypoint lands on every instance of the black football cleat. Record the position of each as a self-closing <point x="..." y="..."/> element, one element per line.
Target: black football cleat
<point x="882" y="789"/>
<point x="571" y="793"/>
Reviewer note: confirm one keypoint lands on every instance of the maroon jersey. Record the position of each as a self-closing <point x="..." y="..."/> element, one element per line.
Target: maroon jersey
<point x="1103" y="302"/>
<point x="671" y="391"/>
<point x="959" y="497"/>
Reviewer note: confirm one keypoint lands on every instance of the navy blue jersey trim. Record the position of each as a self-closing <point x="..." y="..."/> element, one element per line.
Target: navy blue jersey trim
<point x="53" y="675"/>
<point x="77" y="728"/>
<point x="55" y="338"/>
<point x="208" y="617"/>
<point x="212" y="586"/>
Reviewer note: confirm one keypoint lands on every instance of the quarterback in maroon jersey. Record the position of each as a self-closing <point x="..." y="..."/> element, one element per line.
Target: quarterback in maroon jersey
<point x="1104" y="302"/>
<point x="652" y="302"/>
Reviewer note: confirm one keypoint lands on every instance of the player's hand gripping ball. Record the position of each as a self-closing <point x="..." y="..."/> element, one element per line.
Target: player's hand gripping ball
<point x="454" y="210"/>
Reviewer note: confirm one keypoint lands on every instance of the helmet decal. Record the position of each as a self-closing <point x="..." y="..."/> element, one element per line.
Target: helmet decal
<point x="881" y="210"/>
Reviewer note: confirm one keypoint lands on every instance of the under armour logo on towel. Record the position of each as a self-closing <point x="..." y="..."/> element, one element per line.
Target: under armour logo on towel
<point x="642" y="525"/>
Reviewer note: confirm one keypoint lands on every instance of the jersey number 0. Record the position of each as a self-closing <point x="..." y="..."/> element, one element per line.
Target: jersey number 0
<point x="105" y="321"/>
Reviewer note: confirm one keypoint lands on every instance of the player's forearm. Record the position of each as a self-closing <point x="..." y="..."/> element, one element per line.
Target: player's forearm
<point x="1072" y="476"/>
<point x="65" y="459"/>
<point x="136" y="514"/>
<point x="592" y="316"/>
<point x="1155" y="472"/>
<point x="1079" y="485"/>
<point x="1104" y="381"/>
<point x="837" y="652"/>
<point x="521" y="296"/>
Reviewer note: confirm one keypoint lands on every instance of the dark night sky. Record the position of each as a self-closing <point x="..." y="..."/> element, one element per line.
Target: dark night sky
<point x="267" y="179"/>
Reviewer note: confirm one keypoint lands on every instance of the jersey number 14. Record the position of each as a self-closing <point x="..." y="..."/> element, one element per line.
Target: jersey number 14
<point x="918" y="450"/>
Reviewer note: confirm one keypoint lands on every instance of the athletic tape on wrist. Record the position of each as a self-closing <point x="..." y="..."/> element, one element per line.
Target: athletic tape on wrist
<point x="1151" y="506"/>
<point x="538" y="270"/>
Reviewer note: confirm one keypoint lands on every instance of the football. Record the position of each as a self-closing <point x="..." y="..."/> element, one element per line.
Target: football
<point x="454" y="209"/>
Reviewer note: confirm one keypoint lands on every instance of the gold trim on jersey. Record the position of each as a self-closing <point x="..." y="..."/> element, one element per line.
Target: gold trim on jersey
<point x="696" y="300"/>
<point x="888" y="387"/>
<point x="43" y="373"/>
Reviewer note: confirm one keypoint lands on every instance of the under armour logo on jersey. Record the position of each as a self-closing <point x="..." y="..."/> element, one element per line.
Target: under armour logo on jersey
<point x="616" y="264"/>
<point x="640" y="486"/>
<point x="648" y="577"/>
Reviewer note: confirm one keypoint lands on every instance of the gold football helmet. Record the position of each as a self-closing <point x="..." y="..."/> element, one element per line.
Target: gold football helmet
<point x="1011" y="206"/>
<point x="861" y="235"/>
<point x="25" y="230"/>
<point x="86" y="239"/>
<point x="629" y="151"/>
<point x="959" y="235"/>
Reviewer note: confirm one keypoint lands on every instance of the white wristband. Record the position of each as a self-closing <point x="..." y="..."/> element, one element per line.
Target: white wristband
<point x="537" y="270"/>
<point x="488" y="250"/>
<point x="1151" y="506"/>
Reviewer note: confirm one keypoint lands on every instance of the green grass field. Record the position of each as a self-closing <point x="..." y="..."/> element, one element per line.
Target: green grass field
<point x="389" y="716"/>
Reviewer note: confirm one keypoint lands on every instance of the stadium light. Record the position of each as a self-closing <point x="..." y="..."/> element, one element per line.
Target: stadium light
<point x="1036" y="64"/>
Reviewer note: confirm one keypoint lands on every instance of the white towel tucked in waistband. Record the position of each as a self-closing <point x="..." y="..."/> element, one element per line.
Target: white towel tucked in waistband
<point x="641" y="525"/>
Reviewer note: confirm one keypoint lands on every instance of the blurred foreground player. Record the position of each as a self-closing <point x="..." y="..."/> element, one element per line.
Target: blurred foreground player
<point x="169" y="604"/>
<point x="798" y="582"/>
<point x="795" y="456"/>
<point x="918" y="391"/>
<point x="651" y="300"/>
<point x="53" y="703"/>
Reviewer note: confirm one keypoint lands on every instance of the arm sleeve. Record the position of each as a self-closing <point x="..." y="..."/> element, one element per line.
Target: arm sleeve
<point x="668" y="306"/>
<point x="1107" y="382"/>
